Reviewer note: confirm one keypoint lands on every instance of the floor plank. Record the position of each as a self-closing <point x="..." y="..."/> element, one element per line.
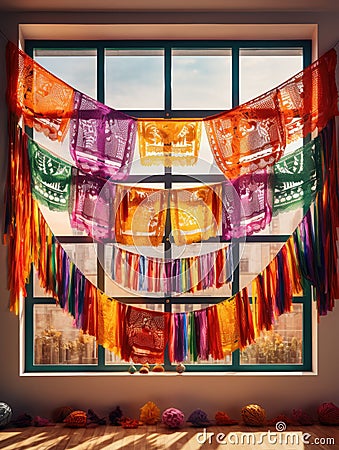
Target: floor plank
<point x="155" y="437"/>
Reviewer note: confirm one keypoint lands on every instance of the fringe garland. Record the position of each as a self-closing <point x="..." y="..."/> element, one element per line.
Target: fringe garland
<point x="191" y="274"/>
<point x="18" y="233"/>
<point x="215" y="331"/>
<point x="142" y="335"/>
<point x="244" y="319"/>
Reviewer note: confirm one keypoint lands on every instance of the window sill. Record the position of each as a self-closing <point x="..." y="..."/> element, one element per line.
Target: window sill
<point x="169" y="374"/>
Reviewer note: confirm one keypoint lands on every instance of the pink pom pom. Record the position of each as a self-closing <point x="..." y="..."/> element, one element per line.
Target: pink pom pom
<point x="173" y="418"/>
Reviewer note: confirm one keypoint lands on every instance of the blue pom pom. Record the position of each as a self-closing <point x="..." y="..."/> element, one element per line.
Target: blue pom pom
<point x="198" y="418"/>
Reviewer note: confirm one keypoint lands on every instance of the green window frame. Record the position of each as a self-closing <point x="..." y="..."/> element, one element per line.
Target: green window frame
<point x="168" y="178"/>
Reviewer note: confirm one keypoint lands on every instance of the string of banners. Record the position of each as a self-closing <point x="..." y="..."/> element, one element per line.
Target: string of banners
<point x="141" y="335"/>
<point x="249" y="137"/>
<point x="133" y="215"/>
<point x="248" y="143"/>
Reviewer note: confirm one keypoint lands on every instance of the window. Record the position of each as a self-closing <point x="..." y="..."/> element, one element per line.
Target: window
<point x="168" y="79"/>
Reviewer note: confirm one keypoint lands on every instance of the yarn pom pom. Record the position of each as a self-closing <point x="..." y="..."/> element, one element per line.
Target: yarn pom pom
<point x="199" y="418"/>
<point x="77" y="419"/>
<point x="173" y="418"/>
<point x="41" y="422"/>
<point x="158" y="368"/>
<point x="22" y="421"/>
<point x="302" y="418"/>
<point x="180" y="368"/>
<point x="60" y="414"/>
<point x="92" y="418"/>
<point x="115" y="416"/>
<point x="328" y="414"/>
<point x="144" y="369"/>
<point x="221" y="418"/>
<point x="5" y="414"/>
<point x="281" y="418"/>
<point x="150" y="414"/>
<point x="253" y="415"/>
<point x="132" y="369"/>
<point x="127" y="422"/>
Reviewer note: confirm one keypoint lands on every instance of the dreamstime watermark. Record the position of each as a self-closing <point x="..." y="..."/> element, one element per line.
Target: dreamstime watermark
<point x="278" y="437"/>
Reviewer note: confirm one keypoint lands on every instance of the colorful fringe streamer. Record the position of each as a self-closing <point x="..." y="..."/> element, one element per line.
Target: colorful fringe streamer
<point x="190" y="274"/>
<point x="142" y="335"/>
<point x="18" y="231"/>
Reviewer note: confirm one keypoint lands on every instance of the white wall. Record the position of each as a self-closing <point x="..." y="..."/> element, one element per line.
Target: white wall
<point x="39" y="395"/>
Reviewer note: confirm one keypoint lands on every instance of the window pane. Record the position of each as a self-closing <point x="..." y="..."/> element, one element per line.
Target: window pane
<point x="78" y="69"/>
<point x="134" y="79"/>
<point x="59" y="222"/>
<point x="284" y="223"/>
<point x="38" y="291"/>
<point x="282" y="345"/>
<point x="75" y="67"/>
<point x="205" y="164"/>
<point x="264" y="69"/>
<point x="85" y="258"/>
<point x="56" y="341"/>
<point x="253" y="259"/>
<point x="201" y="79"/>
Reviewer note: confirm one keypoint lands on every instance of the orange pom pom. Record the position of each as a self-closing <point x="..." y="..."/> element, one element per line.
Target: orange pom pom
<point x="127" y="422"/>
<point x="150" y="414"/>
<point x="77" y="419"/>
<point x="221" y="418"/>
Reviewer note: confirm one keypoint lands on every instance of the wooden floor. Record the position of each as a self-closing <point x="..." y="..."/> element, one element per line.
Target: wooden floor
<point x="155" y="437"/>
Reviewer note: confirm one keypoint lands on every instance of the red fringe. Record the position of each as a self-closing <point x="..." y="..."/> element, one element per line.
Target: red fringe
<point x="244" y="318"/>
